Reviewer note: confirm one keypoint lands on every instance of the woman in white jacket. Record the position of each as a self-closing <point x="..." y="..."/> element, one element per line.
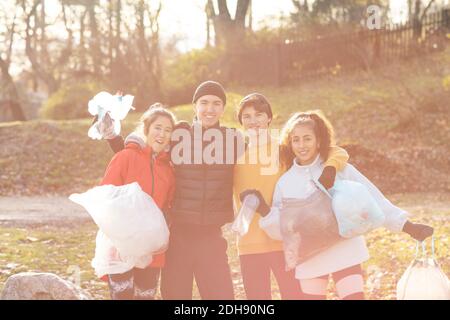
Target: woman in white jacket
<point x="306" y="138"/>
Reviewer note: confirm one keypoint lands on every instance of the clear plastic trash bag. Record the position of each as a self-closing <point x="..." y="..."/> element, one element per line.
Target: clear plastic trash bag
<point x="245" y="216"/>
<point x="127" y="217"/>
<point x="110" y="109"/>
<point x="423" y="279"/>
<point x="308" y="227"/>
<point x="356" y="210"/>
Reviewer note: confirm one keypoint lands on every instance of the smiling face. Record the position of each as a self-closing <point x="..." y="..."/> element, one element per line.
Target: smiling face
<point x="158" y="135"/>
<point x="208" y="110"/>
<point x="253" y="119"/>
<point x="304" y="144"/>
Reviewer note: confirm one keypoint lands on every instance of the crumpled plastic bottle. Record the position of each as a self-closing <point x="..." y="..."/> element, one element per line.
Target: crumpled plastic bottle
<point x="110" y="110"/>
<point x="242" y="222"/>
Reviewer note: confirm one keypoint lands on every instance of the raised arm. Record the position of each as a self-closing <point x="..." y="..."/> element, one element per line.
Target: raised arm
<point x="116" y="144"/>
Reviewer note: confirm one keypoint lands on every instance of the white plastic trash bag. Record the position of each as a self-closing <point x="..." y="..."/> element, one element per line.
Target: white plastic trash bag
<point x="356" y="210"/>
<point x="245" y="216"/>
<point x="129" y="218"/>
<point x="110" y="109"/>
<point x="423" y="279"/>
<point x="107" y="259"/>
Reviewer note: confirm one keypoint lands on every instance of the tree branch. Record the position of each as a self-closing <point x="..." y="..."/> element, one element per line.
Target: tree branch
<point x="426" y="10"/>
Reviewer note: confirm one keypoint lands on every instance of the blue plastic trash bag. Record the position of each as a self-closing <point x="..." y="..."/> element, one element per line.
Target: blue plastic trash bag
<point x="356" y="210"/>
<point x="110" y="109"/>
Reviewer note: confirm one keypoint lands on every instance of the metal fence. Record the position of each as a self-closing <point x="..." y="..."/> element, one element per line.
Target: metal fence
<point x="291" y="61"/>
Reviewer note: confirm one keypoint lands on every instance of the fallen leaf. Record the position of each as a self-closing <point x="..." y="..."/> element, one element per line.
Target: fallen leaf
<point x="32" y="239"/>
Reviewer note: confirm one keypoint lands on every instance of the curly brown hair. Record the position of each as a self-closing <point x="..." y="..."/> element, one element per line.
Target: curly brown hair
<point x="321" y="126"/>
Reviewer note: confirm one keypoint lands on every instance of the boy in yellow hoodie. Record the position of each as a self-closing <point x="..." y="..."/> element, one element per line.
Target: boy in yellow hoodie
<point x="259" y="254"/>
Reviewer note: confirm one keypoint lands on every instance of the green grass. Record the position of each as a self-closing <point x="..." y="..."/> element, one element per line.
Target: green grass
<point x="49" y="249"/>
<point x="63" y="250"/>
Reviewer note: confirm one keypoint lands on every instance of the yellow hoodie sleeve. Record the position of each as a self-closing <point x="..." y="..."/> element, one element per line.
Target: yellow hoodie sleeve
<point x="337" y="158"/>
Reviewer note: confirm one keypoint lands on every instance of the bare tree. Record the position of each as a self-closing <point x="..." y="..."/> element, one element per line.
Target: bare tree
<point x="228" y="30"/>
<point x="9" y="90"/>
<point x="418" y="17"/>
<point x="36" y="49"/>
<point x="149" y="60"/>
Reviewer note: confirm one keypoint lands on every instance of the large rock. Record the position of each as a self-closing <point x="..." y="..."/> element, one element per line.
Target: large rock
<point x="41" y="286"/>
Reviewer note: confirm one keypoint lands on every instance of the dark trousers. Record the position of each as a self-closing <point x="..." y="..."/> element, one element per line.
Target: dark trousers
<point x="196" y="252"/>
<point x="256" y="270"/>
<point x="136" y="284"/>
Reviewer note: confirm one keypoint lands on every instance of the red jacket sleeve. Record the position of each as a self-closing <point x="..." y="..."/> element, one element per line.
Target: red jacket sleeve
<point x="116" y="171"/>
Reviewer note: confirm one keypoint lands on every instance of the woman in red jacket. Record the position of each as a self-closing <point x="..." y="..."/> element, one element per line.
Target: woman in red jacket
<point x="151" y="168"/>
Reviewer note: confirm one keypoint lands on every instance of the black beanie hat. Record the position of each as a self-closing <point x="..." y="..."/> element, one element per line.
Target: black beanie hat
<point x="210" y="88"/>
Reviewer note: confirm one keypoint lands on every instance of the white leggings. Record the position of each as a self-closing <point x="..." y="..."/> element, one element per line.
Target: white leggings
<point x="349" y="284"/>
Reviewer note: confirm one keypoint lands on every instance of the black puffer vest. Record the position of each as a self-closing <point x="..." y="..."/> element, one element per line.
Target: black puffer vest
<point x="204" y="191"/>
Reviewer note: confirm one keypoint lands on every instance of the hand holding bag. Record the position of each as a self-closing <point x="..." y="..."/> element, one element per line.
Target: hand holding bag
<point x="423" y="279"/>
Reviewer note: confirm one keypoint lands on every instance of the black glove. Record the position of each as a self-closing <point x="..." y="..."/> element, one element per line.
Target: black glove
<point x="418" y="231"/>
<point x="328" y="176"/>
<point x="263" y="209"/>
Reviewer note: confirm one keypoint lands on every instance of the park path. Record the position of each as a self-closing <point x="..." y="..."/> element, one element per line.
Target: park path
<point x="37" y="211"/>
<point x="60" y="211"/>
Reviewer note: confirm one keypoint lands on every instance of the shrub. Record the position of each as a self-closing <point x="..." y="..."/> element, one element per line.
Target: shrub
<point x="70" y="101"/>
<point x="190" y="69"/>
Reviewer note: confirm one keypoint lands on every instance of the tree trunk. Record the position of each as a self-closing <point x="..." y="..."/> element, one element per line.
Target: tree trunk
<point x="95" y="41"/>
<point x="228" y="31"/>
<point x="31" y="43"/>
<point x="10" y="91"/>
